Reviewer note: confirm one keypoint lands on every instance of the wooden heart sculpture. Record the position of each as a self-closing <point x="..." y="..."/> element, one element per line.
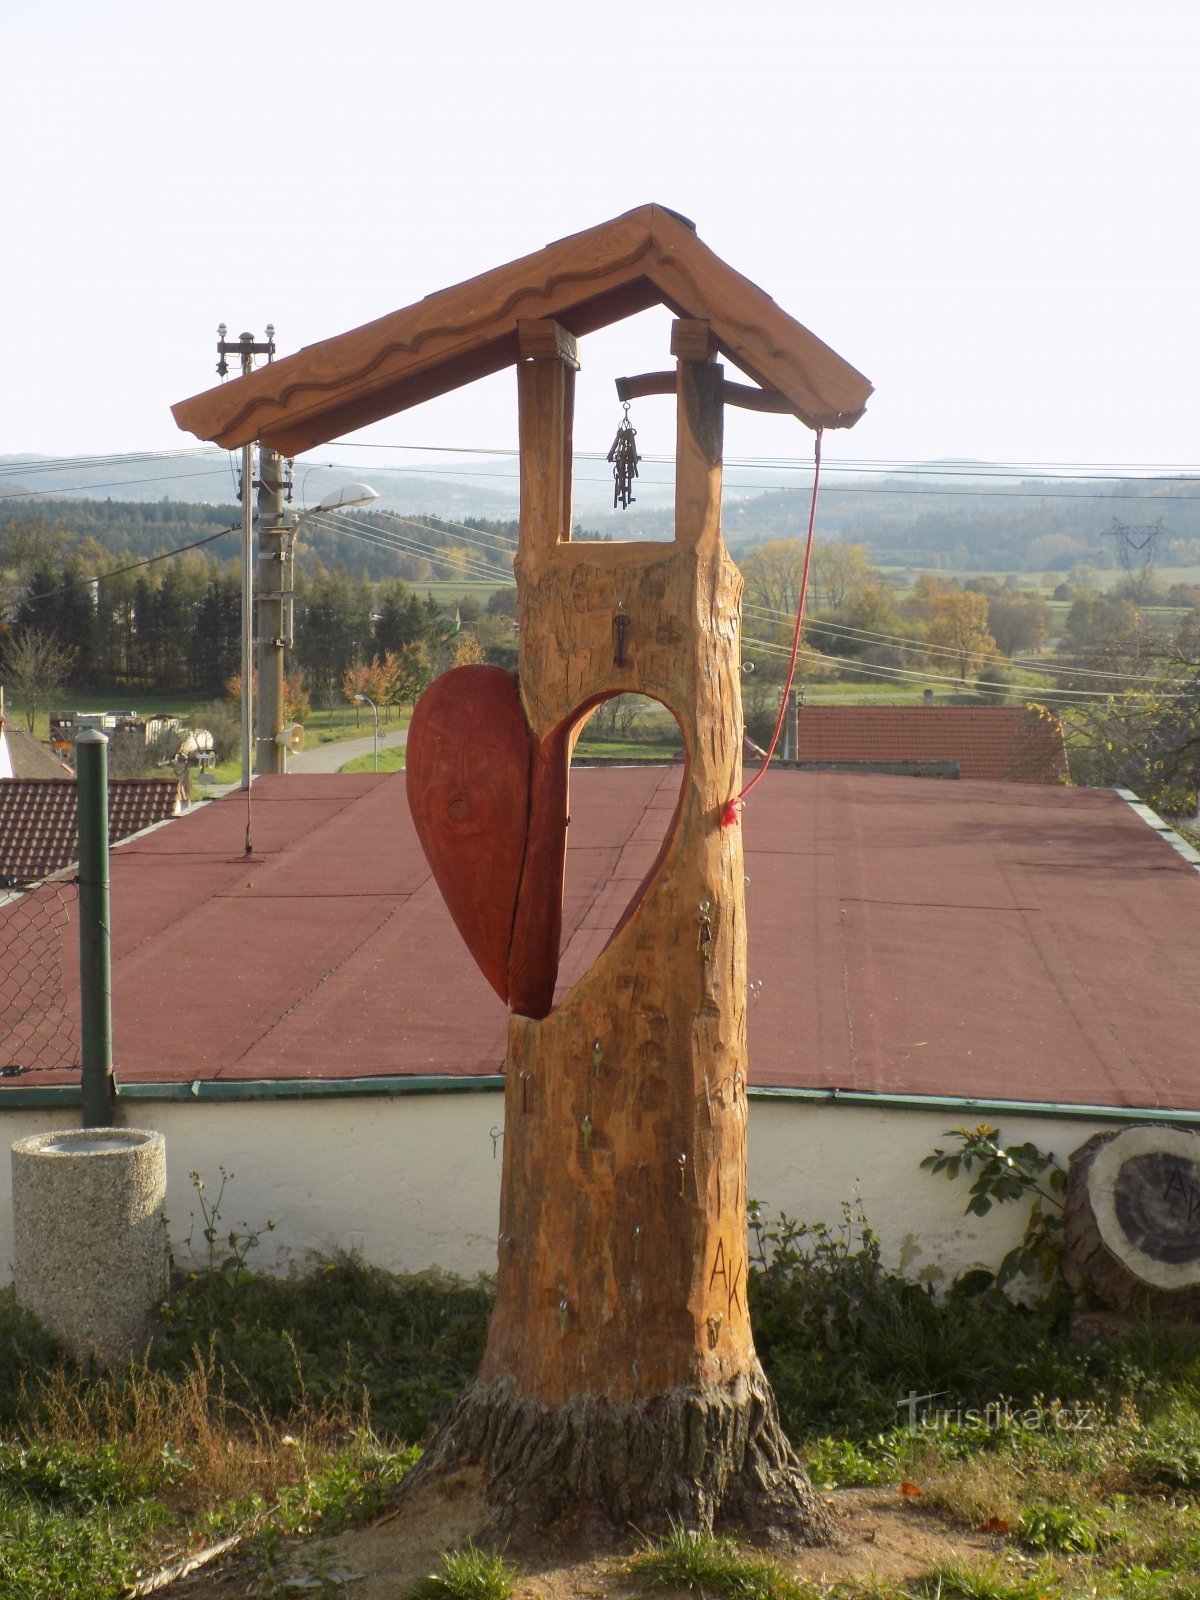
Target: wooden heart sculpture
<point x="489" y="802"/>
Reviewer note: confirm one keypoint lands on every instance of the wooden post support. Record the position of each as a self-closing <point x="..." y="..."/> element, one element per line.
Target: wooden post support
<point x="619" y="1353"/>
<point x="546" y="408"/>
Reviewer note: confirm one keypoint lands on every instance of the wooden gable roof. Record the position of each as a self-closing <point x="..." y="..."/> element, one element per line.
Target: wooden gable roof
<point x="646" y="257"/>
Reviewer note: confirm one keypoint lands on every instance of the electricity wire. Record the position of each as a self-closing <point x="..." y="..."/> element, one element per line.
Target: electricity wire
<point x="877" y="670"/>
<point x="899" y="642"/>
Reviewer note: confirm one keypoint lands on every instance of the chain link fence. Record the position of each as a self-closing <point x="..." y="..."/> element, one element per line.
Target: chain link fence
<point x="39" y="1029"/>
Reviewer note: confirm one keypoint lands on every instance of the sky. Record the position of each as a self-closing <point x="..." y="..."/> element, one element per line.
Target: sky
<point x="989" y="210"/>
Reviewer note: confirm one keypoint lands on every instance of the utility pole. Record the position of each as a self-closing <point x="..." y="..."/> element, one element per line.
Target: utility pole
<point x="246" y="348"/>
<point x="275" y="588"/>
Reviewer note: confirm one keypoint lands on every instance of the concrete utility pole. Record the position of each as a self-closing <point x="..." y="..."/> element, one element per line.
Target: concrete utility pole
<point x="246" y="348"/>
<point x="275" y="588"/>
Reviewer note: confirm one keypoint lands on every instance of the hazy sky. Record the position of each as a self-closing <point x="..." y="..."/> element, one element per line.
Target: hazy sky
<point x="988" y="209"/>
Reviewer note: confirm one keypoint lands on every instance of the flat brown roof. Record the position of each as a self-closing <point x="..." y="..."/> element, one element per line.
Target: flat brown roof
<point x="996" y="940"/>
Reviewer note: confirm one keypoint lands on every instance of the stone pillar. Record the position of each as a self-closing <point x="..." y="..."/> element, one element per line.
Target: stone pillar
<point x="90" y="1235"/>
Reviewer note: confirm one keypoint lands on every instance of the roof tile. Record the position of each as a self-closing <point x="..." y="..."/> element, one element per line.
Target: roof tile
<point x="38" y="827"/>
<point x="999" y="744"/>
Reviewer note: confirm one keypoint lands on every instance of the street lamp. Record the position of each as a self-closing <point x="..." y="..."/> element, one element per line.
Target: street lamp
<point x="365" y="700"/>
<point x="350" y="494"/>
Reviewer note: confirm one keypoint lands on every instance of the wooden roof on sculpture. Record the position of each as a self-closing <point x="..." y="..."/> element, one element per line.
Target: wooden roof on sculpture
<point x="646" y="257"/>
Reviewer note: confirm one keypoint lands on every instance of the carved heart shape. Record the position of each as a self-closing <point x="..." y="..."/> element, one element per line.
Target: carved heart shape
<point x="489" y="803"/>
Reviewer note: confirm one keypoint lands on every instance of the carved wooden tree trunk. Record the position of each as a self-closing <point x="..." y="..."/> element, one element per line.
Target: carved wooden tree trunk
<point x="620" y="1376"/>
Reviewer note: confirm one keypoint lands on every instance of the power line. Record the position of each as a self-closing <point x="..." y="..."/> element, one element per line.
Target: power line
<point x="875" y="670"/>
<point x="460" y="565"/>
<point x="899" y="642"/>
<point x="508" y="540"/>
<point x="119" y="483"/>
<point x="1152" y="474"/>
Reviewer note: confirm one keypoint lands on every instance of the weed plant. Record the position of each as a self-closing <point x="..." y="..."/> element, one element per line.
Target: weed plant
<point x="468" y="1574"/>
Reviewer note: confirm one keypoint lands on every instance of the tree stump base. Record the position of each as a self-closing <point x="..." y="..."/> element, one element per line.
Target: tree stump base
<point x="1132" y="1232"/>
<point x="714" y="1458"/>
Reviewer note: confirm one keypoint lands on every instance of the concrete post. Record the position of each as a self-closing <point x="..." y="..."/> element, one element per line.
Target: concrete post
<point x="275" y="584"/>
<point x="90" y="1241"/>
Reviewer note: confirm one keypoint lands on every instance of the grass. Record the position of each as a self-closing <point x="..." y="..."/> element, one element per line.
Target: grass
<point x="468" y="1574"/>
<point x="702" y="1564"/>
<point x="391" y="759"/>
<point x="281" y="1410"/>
<point x="268" y="1409"/>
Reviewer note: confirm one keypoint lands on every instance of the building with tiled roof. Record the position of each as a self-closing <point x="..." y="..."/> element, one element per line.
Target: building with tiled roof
<point x="21" y="756"/>
<point x="39" y="828"/>
<point x="997" y="744"/>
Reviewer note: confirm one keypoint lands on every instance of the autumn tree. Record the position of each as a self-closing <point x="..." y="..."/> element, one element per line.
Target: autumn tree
<point x="959" y="623"/>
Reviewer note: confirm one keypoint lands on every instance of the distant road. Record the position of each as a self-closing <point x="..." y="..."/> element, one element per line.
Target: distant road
<point x="325" y="757"/>
<point x="333" y="757"/>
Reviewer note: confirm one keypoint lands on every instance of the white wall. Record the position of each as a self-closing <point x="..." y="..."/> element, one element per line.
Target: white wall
<point x="411" y="1182"/>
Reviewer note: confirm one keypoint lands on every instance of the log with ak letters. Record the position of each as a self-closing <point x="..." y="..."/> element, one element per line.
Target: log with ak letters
<point x="1132" y="1233"/>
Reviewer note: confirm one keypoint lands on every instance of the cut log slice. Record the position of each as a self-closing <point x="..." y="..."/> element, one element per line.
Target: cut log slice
<point x="1133" y="1219"/>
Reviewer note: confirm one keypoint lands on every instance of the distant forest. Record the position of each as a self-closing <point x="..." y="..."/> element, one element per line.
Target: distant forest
<point x="970" y="518"/>
<point x="369" y="545"/>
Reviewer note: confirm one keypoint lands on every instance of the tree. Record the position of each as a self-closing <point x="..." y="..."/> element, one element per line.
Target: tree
<point x="411" y="671"/>
<point x="1018" y="621"/>
<point x="32" y="543"/>
<point x="216" y="640"/>
<point x="36" y="666"/>
<point x="1145" y="734"/>
<point x="959" y="622"/>
<point x="839" y="572"/>
<point x="772" y="572"/>
<point x="399" y="618"/>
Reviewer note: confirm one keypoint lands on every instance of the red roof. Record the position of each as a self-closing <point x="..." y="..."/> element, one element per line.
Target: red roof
<point x="39" y="832"/>
<point x="1005" y="940"/>
<point x="1008" y="744"/>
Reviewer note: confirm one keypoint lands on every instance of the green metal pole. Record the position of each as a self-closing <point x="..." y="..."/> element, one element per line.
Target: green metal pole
<point x="95" y="957"/>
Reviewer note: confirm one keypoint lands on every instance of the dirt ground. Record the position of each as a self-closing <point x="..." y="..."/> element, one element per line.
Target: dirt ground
<point x="882" y="1535"/>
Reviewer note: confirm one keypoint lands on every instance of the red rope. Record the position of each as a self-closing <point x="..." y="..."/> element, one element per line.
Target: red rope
<point x="729" y="812"/>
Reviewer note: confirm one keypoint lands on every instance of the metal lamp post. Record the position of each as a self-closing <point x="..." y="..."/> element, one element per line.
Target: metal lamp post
<point x="365" y="700"/>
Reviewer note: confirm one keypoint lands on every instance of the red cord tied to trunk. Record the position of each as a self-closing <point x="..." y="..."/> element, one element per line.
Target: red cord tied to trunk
<point x="731" y="808"/>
